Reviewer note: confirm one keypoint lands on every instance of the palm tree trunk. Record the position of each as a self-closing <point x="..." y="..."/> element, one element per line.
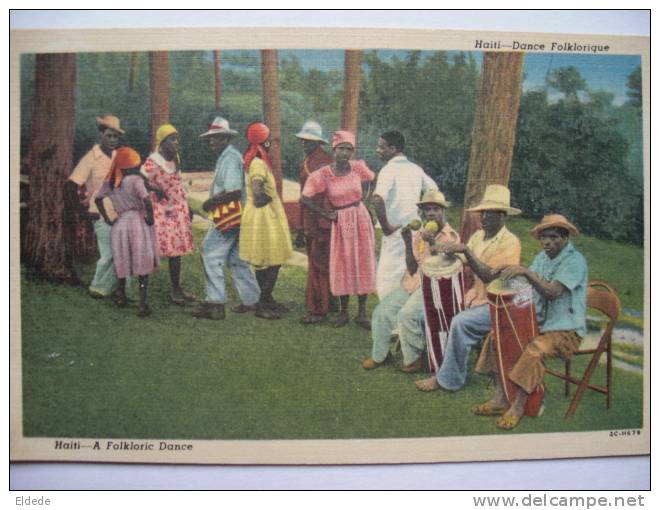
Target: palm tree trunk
<point x="159" y="82"/>
<point x="49" y="239"/>
<point x="351" y="106"/>
<point x="271" y="108"/>
<point x="494" y="131"/>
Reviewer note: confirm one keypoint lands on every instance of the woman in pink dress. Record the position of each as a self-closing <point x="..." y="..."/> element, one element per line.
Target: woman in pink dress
<point x="134" y="247"/>
<point x="171" y="214"/>
<point x="352" y="240"/>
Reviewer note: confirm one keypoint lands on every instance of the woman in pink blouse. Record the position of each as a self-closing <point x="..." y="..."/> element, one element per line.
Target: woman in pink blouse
<point x="352" y="240"/>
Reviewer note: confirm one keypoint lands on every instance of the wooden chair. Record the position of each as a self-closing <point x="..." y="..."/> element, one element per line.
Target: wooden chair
<point x="602" y="297"/>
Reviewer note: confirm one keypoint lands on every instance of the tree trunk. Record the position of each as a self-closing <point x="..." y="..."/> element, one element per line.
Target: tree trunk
<point x="216" y="78"/>
<point x="494" y="131"/>
<point x="271" y="107"/>
<point x="351" y="106"/>
<point x="159" y="82"/>
<point x="132" y="71"/>
<point x="49" y="239"/>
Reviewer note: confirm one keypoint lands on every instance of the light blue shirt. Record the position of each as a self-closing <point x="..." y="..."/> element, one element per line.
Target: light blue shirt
<point x="567" y="312"/>
<point x="400" y="184"/>
<point x="229" y="173"/>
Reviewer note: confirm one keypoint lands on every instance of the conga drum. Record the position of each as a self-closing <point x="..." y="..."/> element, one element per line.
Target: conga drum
<point x="514" y="325"/>
<point x="442" y="290"/>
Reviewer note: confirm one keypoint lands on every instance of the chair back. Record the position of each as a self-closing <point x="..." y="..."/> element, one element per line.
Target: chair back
<point x="602" y="297"/>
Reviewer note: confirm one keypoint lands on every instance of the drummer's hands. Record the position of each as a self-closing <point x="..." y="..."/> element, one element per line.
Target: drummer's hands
<point x="509" y="272"/>
<point x="451" y="248"/>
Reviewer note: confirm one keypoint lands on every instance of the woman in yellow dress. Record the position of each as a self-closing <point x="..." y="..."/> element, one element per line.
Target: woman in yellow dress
<point x="265" y="240"/>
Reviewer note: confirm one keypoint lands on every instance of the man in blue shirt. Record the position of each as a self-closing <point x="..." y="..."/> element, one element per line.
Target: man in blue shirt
<point x="220" y="246"/>
<point x="558" y="276"/>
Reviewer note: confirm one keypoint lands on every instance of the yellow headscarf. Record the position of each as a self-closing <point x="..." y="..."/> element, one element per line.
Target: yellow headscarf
<point x="163" y="132"/>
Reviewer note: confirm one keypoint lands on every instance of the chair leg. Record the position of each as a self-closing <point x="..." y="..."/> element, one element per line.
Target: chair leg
<point x="584" y="382"/>
<point x="567" y="383"/>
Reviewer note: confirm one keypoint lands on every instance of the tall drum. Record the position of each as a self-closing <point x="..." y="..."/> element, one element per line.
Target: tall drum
<point x="442" y="289"/>
<point x="514" y="325"/>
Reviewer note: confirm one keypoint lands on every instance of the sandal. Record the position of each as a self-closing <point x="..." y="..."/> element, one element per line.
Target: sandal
<point x="488" y="409"/>
<point x="508" y="422"/>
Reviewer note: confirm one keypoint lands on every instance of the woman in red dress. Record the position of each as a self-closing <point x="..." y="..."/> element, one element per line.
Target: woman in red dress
<point x="171" y="214"/>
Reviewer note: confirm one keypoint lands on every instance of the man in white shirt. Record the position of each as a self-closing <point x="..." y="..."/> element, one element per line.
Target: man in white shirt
<point x="399" y="187"/>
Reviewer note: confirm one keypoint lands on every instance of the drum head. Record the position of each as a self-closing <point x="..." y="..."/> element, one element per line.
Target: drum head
<point x="442" y="265"/>
<point x="511" y="286"/>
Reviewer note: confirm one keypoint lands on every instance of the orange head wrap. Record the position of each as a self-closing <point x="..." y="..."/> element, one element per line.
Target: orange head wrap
<point x="257" y="133"/>
<point x="125" y="158"/>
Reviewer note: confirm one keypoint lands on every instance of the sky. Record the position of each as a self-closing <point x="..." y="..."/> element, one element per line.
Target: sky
<point x="601" y="72"/>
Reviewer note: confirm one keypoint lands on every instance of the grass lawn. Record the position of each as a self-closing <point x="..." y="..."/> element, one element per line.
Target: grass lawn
<point x="93" y="370"/>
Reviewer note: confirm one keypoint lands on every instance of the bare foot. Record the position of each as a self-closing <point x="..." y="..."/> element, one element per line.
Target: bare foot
<point x="429" y="384"/>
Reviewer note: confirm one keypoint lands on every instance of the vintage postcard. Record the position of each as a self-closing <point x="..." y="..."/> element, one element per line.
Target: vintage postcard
<point x="323" y="246"/>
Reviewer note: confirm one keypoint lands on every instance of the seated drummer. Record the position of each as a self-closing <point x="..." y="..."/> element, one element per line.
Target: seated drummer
<point x="558" y="276"/>
<point x="403" y="306"/>
<point x="488" y="248"/>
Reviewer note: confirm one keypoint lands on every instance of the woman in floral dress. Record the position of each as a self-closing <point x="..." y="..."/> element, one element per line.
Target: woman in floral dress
<point x="352" y="239"/>
<point x="171" y="214"/>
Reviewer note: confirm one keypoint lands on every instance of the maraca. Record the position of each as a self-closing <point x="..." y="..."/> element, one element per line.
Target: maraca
<point x="415" y="224"/>
<point x="431" y="226"/>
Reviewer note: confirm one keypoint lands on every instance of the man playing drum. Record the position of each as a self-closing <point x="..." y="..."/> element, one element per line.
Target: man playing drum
<point x="402" y="307"/>
<point x="488" y="248"/>
<point x="558" y="276"/>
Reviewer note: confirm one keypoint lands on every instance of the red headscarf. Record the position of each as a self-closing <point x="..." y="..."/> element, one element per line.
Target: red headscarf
<point x="257" y="133"/>
<point x="343" y="136"/>
<point x="125" y="158"/>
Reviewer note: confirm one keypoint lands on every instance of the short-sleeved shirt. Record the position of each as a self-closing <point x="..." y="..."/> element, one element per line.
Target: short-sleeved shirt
<point x="422" y="251"/>
<point x="229" y="175"/>
<point x="568" y="311"/>
<point x="90" y="172"/>
<point x="400" y="185"/>
<point x="503" y="249"/>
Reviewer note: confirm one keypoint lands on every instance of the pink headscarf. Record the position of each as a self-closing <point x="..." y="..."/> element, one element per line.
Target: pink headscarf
<point x="256" y="133"/>
<point x="343" y="137"/>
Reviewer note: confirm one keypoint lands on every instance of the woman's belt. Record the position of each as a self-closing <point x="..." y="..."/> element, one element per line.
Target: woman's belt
<point x="354" y="204"/>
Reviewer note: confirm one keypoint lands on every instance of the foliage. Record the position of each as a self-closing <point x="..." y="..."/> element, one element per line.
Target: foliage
<point x="431" y="101"/>
<point x="570" y="157"/>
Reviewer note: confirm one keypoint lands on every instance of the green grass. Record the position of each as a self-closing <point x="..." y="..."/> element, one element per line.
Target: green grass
<point x="93" y="370"/>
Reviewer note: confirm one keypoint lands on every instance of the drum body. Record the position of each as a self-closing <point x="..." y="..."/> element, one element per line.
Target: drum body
<point x="514" y="325"/>
<point x="443" y="299"/>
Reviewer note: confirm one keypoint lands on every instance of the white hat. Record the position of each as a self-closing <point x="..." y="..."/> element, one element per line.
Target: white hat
<point x="219" y="126"/>
<point x="311" y="130"/>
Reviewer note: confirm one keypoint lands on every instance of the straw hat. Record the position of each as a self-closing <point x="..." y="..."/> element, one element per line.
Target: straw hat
<point x="110" y="121"/>
<point x="219" y="126"/>
<point x="496" y="198"/>
<point x="311" y="130"/>
<point x="554" y="220"/>
<point x="434" y="196"/>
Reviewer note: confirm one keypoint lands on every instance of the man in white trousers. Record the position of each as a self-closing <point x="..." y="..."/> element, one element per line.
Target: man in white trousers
<point x="399" y="188"/>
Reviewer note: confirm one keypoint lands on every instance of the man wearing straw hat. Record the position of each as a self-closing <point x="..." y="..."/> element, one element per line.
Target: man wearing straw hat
<point x="489" y="248"/>
<point x="403" y="306"/>
<point x="90" y="172"/>
<point x="400" y="184"/>
<point x="220" y="246"/>
<point x="559" y="278"/>
<point x="314" y="230"/>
